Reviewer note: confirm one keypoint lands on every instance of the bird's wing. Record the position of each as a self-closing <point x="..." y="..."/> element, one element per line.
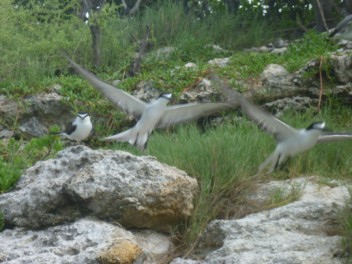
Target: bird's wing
<point x="182" y="113"/>
<point x="119" y="98"/>
<point x="341" y="25"/>
<point x="333" y="137"/>
<point x="70" y="128"/>
<point x="267" y="121"/>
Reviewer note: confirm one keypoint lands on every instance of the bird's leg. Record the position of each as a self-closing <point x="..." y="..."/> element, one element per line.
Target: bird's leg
<point x="277" y="162"/>
<point x="269" y="160"/>
<point x="287" y="161"/>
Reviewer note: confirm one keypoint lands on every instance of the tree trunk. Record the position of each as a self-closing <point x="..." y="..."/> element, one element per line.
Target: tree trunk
<point x="348" y="6"/>
<point x="89" y="6"/>
<point x="96" y="43"/>
<point x="323" y="10"/>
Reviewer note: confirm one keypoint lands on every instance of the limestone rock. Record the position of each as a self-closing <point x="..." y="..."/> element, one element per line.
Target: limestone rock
<point x="203" y="92"/>
<point x="5" y="133"/>
<point x="123" y="252"/>
<point x="297" y="103"/>
<point x="297" y="232"/>
<point x="8" y="108"/>
<point x="155" y="243"/>
<point x="87" y="240"/>
<point x="220" y="62"/>
<point x="83" y="242"/>
<point x="35" y="114"/>
<point x="275" y="76"/>
<point x="342" y="67"/>
<point x="146" y="92"/>
<point x="33" y="128"/>
<point x="190" y="65"/>
<point x="45" y="104"/>
<point x="135" y="191"/>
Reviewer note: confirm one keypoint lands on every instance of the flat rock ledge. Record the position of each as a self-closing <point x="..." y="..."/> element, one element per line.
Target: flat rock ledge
<point x="86" y="241"/>
<point x="136" y="192"/>
<point x="295" y="233"/>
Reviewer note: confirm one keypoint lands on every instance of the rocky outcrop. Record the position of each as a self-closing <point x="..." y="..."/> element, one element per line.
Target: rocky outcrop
<point x="34" y="114"/>
<point x="301" y="231"/>
<point x="341" y="65"/>
<point x="136" y="191"/>
<point x="83" y="242"/>
<point x="277" y="83"/>
<point x="297" y="104"/>
<point x="146" y="92"/>
<point x="203" y="91"/>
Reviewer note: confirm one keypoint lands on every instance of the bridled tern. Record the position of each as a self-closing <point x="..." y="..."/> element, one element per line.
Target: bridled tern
<point x="290" y="141"/>
<point x="150" y="116"/>
<point x="343" y="29"/>
<point x="79" y="129"/>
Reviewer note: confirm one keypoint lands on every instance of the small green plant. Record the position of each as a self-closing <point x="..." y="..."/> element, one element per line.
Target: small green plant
<point x="15" y="156"/>
<point x="281" y="196"/>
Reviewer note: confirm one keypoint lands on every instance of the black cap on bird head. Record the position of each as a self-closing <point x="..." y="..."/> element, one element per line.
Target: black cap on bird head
<point x="316" y="125"/>
<point x="166" y="96"/>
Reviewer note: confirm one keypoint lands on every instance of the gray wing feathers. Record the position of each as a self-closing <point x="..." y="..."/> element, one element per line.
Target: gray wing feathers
<point x="119" y="98"/>
<point x="183" y="113"/>
<point x="340" y="26"/>
<point x="267" y="121"/>
<point x="333" y="137"/>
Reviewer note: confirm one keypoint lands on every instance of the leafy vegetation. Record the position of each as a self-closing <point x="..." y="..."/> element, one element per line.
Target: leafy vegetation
<point x="14" y="157"/>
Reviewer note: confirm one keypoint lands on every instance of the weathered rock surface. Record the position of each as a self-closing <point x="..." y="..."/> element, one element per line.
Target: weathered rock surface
<point x="146" y="92"/>
<point x="220" y="62"/>
<point x="294" y="233"/>
<point x="8" y="108"/>
<point x="342" y="67"/>
<point x="297" y="103"/>
<point x="83" y="242"/>
<point x="135" y="191"/>
<point x="203" y="92"/>
<point x="33" y="127"/>
<point x="35" y="114"/>
<point x="276" y="80"/>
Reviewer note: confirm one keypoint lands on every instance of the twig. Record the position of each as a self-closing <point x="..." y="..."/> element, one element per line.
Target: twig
<point x="321" y="83"/>
<point x="322" y="15"/>
<point x="135" y="66"/>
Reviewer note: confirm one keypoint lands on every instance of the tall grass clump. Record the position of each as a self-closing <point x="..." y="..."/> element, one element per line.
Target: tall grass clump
<point x="172" y="26"/>
<point x="222" y="162"/>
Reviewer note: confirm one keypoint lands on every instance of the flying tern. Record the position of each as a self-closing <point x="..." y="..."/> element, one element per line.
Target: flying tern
<point x="290" y="141"/>
<point x="343" y="29"/>
<point x="149" y="115"/>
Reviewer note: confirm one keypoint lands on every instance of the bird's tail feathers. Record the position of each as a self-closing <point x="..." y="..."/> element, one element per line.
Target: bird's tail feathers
<point x="131" y="136"/>
<point x="121" y="137"/>
<point x="272" y="159"/>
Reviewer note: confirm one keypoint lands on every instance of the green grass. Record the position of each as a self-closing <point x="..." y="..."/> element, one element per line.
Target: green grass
<point x="16" y="156"/>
